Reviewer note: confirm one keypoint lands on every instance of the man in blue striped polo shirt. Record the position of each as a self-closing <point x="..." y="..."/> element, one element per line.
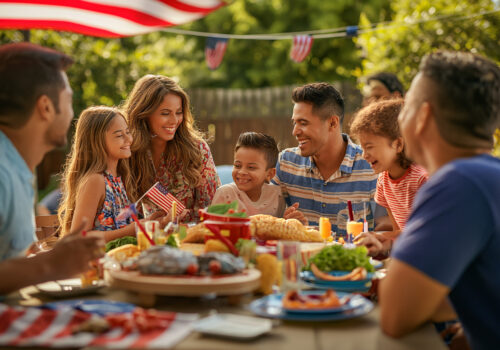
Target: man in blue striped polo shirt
<point x="326" y="169"/>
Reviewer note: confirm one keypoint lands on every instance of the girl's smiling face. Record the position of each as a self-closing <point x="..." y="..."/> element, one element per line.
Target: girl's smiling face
<point x="381" y="152"/>
<point x="118" y="138"/>
<point x="250" y="171"/>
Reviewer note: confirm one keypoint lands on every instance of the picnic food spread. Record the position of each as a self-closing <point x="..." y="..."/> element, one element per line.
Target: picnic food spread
<point x="339" y="258"/>
<point x="267" y="227"/>
<point x="294" y="300"/>
<point x="264" y="227"/>
<point x="163" y="260"/>
<point x="359" y="273"/>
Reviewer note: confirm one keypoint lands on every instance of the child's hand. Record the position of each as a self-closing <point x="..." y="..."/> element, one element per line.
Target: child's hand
<point x="292" y="213"/>
<point x="375" y="243"/>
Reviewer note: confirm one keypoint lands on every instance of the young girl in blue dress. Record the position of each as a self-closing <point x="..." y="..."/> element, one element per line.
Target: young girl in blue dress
<point x="97" y="174"/>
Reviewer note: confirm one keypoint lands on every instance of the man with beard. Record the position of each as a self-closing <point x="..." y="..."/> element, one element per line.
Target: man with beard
<point x="326" y="169"/>
<point x="35" y="114"/>
<point x="449" y="250"/>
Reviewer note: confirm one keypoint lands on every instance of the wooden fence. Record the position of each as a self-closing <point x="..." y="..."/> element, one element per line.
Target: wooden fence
<point x="225" y="113"/>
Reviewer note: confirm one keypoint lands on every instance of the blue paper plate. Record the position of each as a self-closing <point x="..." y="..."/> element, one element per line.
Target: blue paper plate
<point x="344" y="286"/>
<point x="376" y="263"/>
<point x="271" y="306"/>
<point x="98" y="307"/>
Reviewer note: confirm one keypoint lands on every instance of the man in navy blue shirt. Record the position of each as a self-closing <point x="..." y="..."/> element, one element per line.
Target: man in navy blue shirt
<point x="446" y="262"/>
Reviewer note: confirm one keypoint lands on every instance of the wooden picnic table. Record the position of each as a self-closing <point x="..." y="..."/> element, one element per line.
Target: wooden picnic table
<point x="360" y="333"/>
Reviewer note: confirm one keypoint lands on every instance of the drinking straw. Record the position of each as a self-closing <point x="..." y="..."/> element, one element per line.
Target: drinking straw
<point x="351" y="214"/>
<point x="174" y="209"/>
<point x="134" y="217"/>
<point x="365" y="223"/>
<point x="215" y="230"/>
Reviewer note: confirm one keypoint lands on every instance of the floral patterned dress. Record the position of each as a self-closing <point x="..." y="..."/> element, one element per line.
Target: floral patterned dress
<point x="115" y="200"/>
<point x="193" y="198"/>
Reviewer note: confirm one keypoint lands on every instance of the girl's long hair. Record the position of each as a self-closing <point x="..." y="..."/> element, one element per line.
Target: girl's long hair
<point x="88" y="156"/>
<point x="146" y="96"/>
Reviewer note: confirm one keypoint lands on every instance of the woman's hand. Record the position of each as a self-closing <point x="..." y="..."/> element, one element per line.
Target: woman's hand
<point x="292" y="213"/>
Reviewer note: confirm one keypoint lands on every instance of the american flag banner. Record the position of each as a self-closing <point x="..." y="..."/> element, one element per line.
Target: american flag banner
<point x="214" y="51"/>
<point x="301" y="47"/>
<point x="103" y="18"/>
<point x="64" y="328"/>
<point x="160" y="196"/>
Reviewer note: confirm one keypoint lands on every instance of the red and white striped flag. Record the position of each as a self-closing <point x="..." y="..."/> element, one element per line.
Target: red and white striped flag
<point x="36" y="327"/>
<point x="103" y="18"/>
<point x="301" y="47"/>
<point x="160" y="196"/>
<point x="214" y="51"/>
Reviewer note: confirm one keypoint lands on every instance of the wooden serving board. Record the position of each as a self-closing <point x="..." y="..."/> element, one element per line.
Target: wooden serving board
<point x="237" y="284"/>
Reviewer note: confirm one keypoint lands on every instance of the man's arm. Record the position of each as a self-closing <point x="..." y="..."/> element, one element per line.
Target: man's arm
<point x="409" y="298"/>
<point x="69" y="257"/>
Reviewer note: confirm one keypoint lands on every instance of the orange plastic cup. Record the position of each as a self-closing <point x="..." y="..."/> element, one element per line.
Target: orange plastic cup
<point x="354" y="228"/>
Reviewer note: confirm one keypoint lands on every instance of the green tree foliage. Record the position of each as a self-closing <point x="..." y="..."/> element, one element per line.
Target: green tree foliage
<point x="399" y="48"/>
<point x="106" y="69"/>
<point x="258" y="63"/>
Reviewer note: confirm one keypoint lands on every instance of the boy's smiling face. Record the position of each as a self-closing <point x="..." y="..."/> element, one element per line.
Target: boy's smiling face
<point x="250" y="171"/>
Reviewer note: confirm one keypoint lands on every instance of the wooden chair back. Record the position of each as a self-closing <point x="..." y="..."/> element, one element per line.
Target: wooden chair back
<point x="46" y="226"/>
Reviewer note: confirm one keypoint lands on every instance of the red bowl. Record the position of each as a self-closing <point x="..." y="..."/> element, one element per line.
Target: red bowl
<point x="216" y="217"/>
<point x="231" y="230"/>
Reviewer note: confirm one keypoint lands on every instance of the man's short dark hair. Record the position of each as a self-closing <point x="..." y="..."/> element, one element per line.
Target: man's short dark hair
<point x="465" y="96"/>
<point x="390" y="81"/>
<point x="261" y="142"/>
<point x="325" y="99"/>
<point x="28" y="71"/>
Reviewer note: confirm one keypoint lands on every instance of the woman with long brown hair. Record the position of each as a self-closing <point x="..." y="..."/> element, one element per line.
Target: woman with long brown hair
<point x="167" y="147"/>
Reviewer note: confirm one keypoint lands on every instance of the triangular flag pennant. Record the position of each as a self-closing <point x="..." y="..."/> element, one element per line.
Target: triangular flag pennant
<point x="214" y="51"/>
<point x="301" y="47"/>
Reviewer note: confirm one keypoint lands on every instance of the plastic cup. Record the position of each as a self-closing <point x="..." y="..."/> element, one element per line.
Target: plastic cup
<point x="289" y="257"/>
<point x="142" y="241"/>
<point x="354" y="228"/>
<point x="325" y="227"/>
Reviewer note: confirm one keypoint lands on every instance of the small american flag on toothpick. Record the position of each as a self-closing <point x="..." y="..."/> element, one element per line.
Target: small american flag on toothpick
<point x="160" y="196"/>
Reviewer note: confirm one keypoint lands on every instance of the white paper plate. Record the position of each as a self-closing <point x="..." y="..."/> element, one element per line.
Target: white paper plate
<point x="233" y="326"/>
<point x="67" y="288"/>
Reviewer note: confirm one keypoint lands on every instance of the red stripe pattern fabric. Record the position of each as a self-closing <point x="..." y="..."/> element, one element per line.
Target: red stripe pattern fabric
<point x="103" y="18"/>
<point x="160" y="196"/>
<point x="398" y="195"/>
<point x="302" y="45"/>
<point x="32" y="327"/>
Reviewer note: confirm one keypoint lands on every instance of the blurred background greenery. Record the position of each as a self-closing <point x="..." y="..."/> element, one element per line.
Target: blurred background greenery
<point x="106" y="69"/>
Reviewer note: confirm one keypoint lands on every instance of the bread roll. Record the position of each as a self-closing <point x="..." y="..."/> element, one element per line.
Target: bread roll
<point x="268" y="227"/>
